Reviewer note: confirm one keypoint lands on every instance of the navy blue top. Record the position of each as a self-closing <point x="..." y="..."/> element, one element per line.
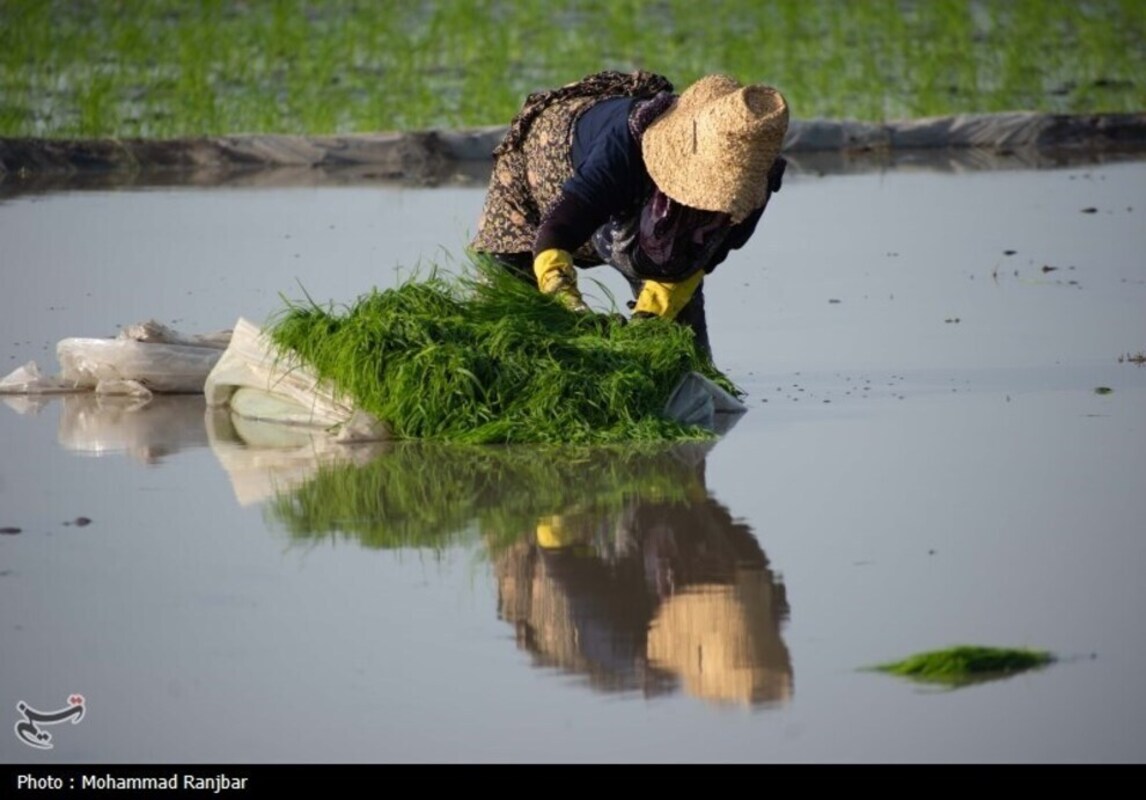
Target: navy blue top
<point x="608" y="170"/>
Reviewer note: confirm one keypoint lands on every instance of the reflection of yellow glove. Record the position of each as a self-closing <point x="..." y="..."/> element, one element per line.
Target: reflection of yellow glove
<point x="667" y="299"/>
<point x="552" y="534"/>
<point x="557" y="533"/>
<point x="556" y="276"/>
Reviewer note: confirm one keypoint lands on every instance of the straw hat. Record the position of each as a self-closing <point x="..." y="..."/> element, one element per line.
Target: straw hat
<point x="712" y="149"/>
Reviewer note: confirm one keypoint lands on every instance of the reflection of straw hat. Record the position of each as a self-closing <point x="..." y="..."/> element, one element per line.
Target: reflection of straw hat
<point x="712" y="149"/>
<point x="724" y="642"/>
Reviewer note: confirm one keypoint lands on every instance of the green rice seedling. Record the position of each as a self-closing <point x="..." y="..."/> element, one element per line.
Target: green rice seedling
<point x="486" y="358"/>
<point x="966" y="664"/>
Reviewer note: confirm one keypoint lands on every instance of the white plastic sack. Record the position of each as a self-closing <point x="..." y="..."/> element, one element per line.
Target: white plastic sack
<point x="278" y="387"/>
<point x="125" y="366"/>
<point x="146" y="357"/>
<point x="29" y="380"/>
<point x="155" y="332"/>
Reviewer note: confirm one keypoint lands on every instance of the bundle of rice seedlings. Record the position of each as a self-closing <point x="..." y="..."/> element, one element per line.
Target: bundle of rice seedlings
<point x="964" y="664"/>
<point x="485" y="358"/>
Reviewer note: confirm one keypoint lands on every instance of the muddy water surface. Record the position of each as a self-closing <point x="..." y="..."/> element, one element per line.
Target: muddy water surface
<point x="925" y="462"/>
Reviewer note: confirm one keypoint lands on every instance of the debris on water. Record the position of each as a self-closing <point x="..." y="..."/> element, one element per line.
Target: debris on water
<point x="1009" y="252"/>
<point x="833" y="300"/>
<point x="1090" y="210"/>
<point x="1138" y="358"/>
<point x="10" y="530"/>
<point x="1048" y="268"/>
<point x="966" y="664"/>
<point x="1103" y="390"/>
<point x="952" y="320"/>
<point x="79" y="522"/>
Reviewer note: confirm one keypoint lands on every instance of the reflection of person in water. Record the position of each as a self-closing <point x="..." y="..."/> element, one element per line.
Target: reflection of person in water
<point x="630" y="573"/>
<point x="663" y="592"/>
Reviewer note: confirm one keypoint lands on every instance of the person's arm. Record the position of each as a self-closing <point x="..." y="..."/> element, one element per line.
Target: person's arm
<point x="569" y="224"/>
<point x="603" y="184"/>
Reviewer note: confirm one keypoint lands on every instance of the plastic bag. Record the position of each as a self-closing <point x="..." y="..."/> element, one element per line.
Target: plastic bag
<point x="146" y="357"/>
<point x="277" y="387"/>
<point x="696" y="400"/>
<point x="125" y="366"/>
<point x="29" y="380"/>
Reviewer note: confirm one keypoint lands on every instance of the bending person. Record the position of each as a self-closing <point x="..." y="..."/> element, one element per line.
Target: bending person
<point x="618" y="169"/>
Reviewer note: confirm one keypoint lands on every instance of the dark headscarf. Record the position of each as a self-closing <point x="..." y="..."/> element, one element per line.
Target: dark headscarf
<point x="667" y="240"/>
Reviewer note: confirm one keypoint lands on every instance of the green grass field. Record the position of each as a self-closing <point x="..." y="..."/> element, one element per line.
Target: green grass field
<point x="166" y="68"/>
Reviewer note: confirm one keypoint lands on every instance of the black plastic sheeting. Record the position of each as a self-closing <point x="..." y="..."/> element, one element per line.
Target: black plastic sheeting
<point x="433" y="156"/>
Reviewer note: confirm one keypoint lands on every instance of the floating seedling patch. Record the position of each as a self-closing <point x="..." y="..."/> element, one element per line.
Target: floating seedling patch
<point x="966" y="664"/>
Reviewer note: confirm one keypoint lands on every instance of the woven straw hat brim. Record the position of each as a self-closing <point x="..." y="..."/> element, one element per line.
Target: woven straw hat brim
<point x="713" y="148"/>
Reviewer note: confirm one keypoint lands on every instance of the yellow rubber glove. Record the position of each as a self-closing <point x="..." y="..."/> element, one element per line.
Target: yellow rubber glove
<point x="667" y="299"/>
<point x="556" y="276"/>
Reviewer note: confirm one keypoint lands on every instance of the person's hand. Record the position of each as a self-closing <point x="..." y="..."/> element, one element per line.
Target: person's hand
<point x="556" y="277"/>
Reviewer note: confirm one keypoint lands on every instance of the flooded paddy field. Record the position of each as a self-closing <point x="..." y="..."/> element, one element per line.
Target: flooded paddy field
<point x="945" y="445"/>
